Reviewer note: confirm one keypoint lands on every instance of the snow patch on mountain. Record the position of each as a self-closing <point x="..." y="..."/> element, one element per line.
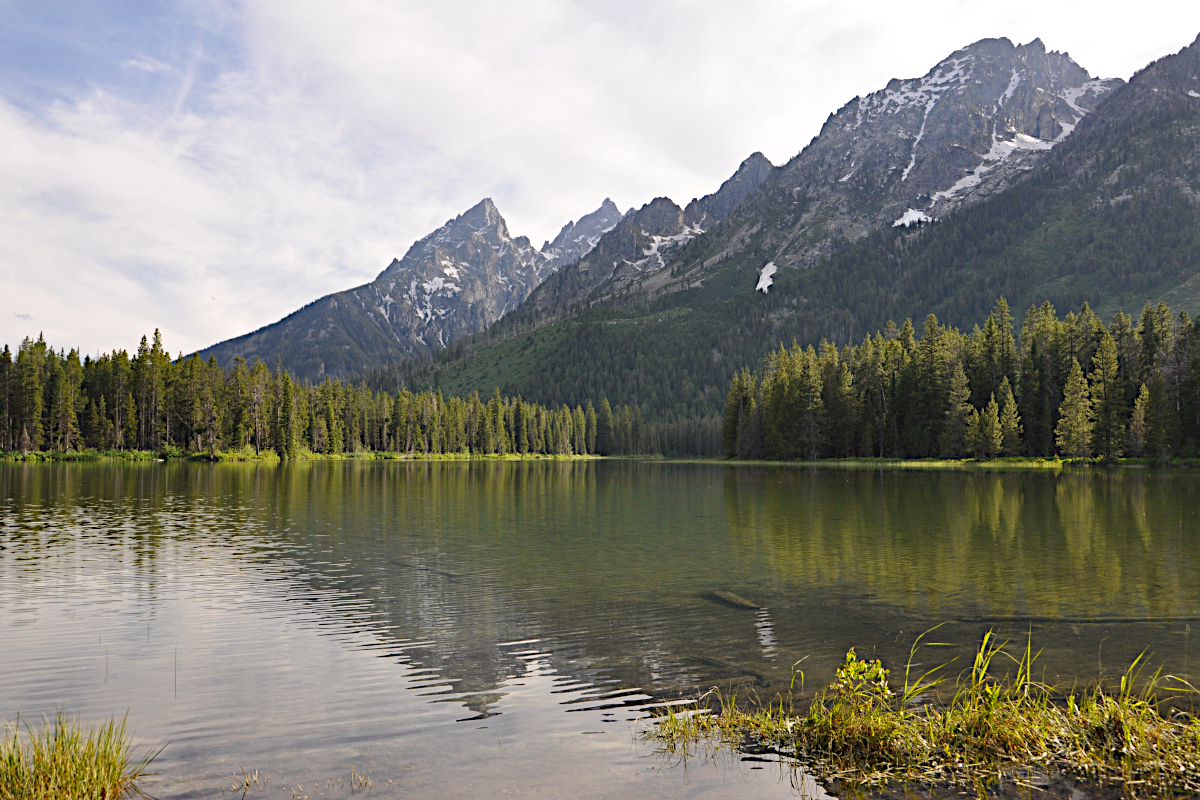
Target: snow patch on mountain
<point x="659" y="245"/>
<point x="1072" y="96"/>
<point x="920" y="135"/>
<point x="1000" y="150"/>
<point x="1013" y="83"/>
<point x="912" y="217"/>
<point x="766" y="278"/>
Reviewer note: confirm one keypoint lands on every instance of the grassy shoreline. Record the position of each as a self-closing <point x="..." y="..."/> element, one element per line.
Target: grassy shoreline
<point x="934" y="464"/>
<point x="271" y="457"/>
<point x="992" y="726"/>
<point x="930" y="464"/>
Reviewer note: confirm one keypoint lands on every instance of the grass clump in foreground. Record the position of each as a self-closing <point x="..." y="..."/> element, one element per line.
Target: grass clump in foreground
<point x="865" y="734"/>
<point x="65" y="761"/>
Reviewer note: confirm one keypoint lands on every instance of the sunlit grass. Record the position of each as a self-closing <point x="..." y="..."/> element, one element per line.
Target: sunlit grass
<point x="63" y="760"/>
<point x="866" y="730"/>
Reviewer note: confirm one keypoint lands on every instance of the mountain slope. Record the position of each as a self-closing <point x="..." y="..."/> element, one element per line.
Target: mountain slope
<point x="1110" y="216"/>
<point x="454" y="282"/>
<point x="914" y="150"/>
<point x="640" y="246"/>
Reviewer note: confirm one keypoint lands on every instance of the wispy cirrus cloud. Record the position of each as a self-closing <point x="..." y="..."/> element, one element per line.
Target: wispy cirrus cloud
<point x="207" y="167"/>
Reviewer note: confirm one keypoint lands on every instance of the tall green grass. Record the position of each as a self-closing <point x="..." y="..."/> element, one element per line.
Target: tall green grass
<point x="64" y="760"/>
<point x="989" y="726"/>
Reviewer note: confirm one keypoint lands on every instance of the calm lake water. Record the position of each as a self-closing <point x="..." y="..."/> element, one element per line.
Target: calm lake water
<point x="496" y="629"/>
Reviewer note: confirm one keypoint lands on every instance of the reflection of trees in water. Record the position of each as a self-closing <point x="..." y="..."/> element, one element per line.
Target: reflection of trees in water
<point x="1070" y="544"/>
<point x="608" y="563"/>
<point x="452" y="557"/>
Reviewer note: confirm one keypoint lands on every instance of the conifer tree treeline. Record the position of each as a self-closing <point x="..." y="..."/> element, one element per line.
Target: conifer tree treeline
<point x="1072" y="387"/>
<point x="56" y="401"/>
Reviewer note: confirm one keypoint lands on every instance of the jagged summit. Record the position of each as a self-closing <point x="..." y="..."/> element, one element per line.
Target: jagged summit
<point x="576" y="239"/>
<point x="910" y="152"/>
<point x="454" y="282"/>
<point x="750" y="174"/>
<point x="634" y="252"/>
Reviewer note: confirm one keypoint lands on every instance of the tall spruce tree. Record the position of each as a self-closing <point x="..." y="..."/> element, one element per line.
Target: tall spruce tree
<point x="1010" y="421"/>
<point x="1073" y="433"/>
<point x="1108" y="401"/>
<point x="958" y="415"/>
<point x="606" y="435"/>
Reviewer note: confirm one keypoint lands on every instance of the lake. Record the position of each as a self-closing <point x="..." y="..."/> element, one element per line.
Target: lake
<point x="467" y="629"/>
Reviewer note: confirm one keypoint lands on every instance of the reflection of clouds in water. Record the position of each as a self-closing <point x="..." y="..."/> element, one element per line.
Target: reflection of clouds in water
<point x="766" y="632"/>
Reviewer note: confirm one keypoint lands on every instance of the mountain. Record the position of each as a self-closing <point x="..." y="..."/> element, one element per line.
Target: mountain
<point x="911" y="152"/>
<point x="462" y="278"/>
<point x="454" y="282"/>
<point x="1104" y="208"/>
<point x="576" y="239"/>
<point x="915" y="150"/>
<point x="633" y="254"/>
<point x="1111" y="217"/>
<point x="713" y="208"/>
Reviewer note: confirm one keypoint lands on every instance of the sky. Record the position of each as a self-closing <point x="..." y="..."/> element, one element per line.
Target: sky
<point x="205" y="167"/>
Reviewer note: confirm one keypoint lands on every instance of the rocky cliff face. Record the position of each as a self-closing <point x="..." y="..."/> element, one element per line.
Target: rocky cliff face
<point x="711" y="209"/>
<point x="909" y="153"/>
<point x="576" y="239"/>
<point x="454" y="282"/>
<point x="633" y="255"/>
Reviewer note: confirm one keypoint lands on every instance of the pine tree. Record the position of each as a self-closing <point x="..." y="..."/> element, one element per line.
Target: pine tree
<point x="958" y="416"/>
<point x="844" y="415"/>
<point x="1010" y="421"/>
<point x="1160" y="419"/>
<point x="1007" y="358"/>
<point x="6" y="399"/>
<point x="591" y="422"/>
<point x="736" y="403"/>
<point x="606" y="436"/>
<point x="1074" y="430"/>
<point x="29" y="397"/>
<point x="991" y="433"/>
<point x="930" y="364"/>
<point x="976" y="442"/>
<point x="1136" y="438"/>
<point x="1108" y="401"/>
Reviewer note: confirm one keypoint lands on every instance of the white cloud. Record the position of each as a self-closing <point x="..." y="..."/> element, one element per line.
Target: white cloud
<point x="335" y="135"/>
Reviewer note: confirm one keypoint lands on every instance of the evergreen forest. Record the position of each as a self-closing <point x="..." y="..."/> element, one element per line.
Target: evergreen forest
<point x="54" y="402"/>
<point x="1070" y="387"/>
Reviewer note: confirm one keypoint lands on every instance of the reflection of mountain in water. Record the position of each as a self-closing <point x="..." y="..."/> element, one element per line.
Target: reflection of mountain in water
<point x="662" y="576"/>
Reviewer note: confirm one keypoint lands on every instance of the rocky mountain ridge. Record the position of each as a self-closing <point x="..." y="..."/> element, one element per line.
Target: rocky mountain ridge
<point x="576" y="239"/>
<point x="911" y="152"/>
<point x="1109" y="215"/>
<point x="633" y="256"/>
<point x="454" y="282"/>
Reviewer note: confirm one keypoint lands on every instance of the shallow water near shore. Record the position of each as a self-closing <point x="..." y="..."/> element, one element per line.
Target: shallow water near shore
<point x="486" y="629"/>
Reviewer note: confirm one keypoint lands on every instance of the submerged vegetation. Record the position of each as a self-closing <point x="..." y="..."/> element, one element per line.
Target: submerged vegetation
<point x="65" y="761"/>
<point x="996" y="726"/>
